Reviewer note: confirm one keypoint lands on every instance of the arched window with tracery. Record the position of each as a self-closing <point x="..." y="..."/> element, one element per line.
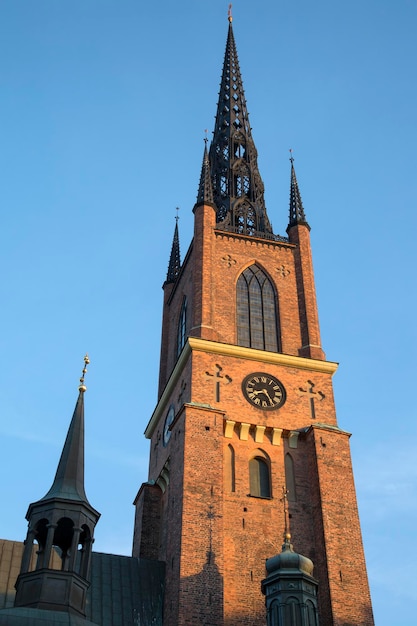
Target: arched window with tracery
<point x="257" y="311"/>
<point x="182" y="327"/>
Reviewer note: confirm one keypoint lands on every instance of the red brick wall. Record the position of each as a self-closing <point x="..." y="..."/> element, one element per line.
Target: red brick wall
<point x="215" y="541"/>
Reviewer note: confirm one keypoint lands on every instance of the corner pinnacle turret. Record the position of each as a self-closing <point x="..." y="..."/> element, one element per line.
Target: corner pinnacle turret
<point x="297" y="215"/>
<point x="205" y="189"/>
<point x="175" y="259"/>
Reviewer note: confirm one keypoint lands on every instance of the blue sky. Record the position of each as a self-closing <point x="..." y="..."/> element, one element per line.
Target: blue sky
<point x="103" y="107"/>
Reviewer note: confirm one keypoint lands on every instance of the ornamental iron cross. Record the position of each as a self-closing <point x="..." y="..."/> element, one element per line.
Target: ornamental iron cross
<point x="217" y="378"/>
<point x="311" y="395"/>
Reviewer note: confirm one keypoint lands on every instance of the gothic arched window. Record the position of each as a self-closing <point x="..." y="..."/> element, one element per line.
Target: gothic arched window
<point x="182" y="326"/>
<point x="259" y="477"/>
<point x="257" y="311"/>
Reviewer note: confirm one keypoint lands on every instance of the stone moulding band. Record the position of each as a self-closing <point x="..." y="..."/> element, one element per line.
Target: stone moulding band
<point x="224" y="349"/>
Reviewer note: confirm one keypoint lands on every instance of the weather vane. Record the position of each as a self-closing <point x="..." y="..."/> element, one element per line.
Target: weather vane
<point x="82" y="387"/>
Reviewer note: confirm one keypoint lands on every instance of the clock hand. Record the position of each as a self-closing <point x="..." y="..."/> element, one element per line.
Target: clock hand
<point x="265" y="391"/>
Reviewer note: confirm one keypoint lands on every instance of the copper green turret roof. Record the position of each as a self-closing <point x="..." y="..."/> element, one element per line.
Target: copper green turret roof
<point x="238" y="190"/>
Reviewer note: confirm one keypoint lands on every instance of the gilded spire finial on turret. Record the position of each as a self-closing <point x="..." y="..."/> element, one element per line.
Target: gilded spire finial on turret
<point x="229" y="13"/>
<point x="82" y="387"/>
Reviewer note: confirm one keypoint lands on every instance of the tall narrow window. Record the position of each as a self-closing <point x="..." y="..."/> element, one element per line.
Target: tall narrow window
<point x="289" y="477"/>
<point x="259" y="477"/>
<point x="229" y="469"/>
<point x="182" y="327"/>
<point x="257" y="316"/>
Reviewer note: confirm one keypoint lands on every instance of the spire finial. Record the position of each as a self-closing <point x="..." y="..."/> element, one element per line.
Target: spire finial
<point x="177" y="217"/>
<point x="206" y="136"/>
<point x="82" y="387"/>
<point x="229" y="13"/>
<point x="287" y="534"/>
<point x="291" y="156"/>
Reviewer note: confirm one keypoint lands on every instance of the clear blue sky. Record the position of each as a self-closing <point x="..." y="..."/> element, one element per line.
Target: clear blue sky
<point x="103" y="107"/>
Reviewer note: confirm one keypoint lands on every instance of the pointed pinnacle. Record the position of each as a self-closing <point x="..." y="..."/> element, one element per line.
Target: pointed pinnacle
<point x="175" y="259"/>
<point x="69" y="478"/>
<point x="205" y="189"/>
<point x="297" y="215"/>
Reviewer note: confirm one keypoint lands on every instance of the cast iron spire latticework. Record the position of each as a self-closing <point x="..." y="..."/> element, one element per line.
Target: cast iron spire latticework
<point x="297" y="215"/>
<point x="238" y="189"/>
<point x="175" y="259"/>
<point x="205" y="189"/>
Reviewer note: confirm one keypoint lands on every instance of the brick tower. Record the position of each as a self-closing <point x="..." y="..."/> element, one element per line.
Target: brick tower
<point x="245" y="405"/>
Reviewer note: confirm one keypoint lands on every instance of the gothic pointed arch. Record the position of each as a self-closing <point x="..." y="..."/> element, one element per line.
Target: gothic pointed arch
<point x="257" y="310"/>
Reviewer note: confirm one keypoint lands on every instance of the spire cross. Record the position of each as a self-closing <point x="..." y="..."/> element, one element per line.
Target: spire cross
<point x="312" y="395"/>
<point x="82" y="387"/>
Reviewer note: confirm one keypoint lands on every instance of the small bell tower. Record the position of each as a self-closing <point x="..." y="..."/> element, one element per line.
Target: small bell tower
<point x="62" y="523"/>
<point x="289" y="588"/>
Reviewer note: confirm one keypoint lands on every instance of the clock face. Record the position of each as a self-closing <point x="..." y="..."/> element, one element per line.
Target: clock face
<point x="263" y="391"/>
<point x="168" y="421"/>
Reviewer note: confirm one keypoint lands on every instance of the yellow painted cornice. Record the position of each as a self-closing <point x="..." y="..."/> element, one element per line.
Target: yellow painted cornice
<point x="274" y="358"/>
<point x="225" y="349"/>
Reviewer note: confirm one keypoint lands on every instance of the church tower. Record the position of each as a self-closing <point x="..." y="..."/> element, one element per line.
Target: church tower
<point x="53" y="588"/>
<point x="245" y="405"/>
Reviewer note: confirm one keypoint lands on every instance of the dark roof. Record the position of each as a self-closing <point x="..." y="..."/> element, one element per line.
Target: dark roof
<point x="124" y="591"/>
<point x="69" y="479"/>
<point x="174" y="265"/>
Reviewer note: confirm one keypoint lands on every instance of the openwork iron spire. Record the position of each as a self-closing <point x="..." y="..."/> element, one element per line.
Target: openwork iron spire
<point x="174" y="260"/>
<point x="238" y="189"/>
<point x="297" y="215"/>
<point x="205" y="189"/>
